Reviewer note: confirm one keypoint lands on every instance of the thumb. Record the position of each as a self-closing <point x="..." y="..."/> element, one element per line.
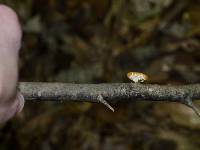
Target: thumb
<point x="7" y="111"/>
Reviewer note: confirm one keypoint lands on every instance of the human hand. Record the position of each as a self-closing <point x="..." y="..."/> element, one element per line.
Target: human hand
<point x="11" y="101"/>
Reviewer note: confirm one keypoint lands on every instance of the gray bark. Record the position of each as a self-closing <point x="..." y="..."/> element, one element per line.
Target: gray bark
<point x="110" y="92"/>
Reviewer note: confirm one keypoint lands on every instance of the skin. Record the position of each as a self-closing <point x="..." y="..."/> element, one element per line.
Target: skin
<point x="11" y="101"/>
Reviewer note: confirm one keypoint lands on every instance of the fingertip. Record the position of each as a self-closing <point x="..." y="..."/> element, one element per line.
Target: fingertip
<point x="21" y="101"/>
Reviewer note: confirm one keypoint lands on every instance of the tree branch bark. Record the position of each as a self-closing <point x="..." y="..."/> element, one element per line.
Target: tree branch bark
<point x="110" y="92"/>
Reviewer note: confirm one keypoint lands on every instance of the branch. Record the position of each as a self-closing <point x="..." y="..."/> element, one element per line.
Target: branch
<point x="111" y="92"/>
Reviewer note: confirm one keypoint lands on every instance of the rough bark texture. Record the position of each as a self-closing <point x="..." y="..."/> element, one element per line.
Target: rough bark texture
<point x="111" y="92"/>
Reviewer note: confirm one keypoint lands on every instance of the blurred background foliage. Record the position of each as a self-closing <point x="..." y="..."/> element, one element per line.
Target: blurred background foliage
<point x="95" y="41"/>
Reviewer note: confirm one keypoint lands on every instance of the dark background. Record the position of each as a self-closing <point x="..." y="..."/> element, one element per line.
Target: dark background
<point x="95" y="41"/>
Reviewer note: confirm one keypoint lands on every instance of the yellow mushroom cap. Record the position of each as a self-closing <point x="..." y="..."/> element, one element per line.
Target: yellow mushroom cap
<point x="137" y="76"/>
